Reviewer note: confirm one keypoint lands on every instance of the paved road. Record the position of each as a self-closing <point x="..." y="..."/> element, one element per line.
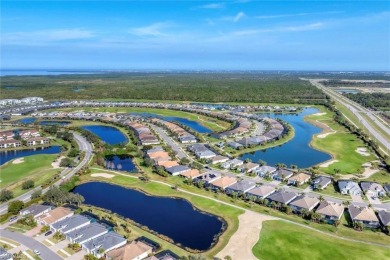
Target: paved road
<point x="358" y="110"/>
<point x="46" y="253"/>
<point x="174" y="145"/>
<point x="66" y="173"/>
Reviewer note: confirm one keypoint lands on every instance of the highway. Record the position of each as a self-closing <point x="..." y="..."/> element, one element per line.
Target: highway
<point x="67" y="173"/>
<point x="358" y="110"/>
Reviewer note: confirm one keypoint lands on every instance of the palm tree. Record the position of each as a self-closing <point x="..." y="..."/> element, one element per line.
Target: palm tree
<point x="273" y="204"/>
<point x="321" y="198"/>
<point x="304" y="213"/>
<point x="315" y="217"/>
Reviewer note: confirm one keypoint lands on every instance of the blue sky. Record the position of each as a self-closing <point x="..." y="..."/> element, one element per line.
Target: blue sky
<point x="234" y="35"/>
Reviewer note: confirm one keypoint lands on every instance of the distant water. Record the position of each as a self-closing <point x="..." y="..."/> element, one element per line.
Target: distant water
<point x="9" y="155"/>
<point x="44" y="72"/>
<point x="108" y="134"/>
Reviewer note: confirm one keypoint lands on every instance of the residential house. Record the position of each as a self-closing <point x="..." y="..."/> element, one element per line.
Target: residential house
<point x="4" y="255"/>
<point x="192" y="174"/>
<point x="364" y="215"/>
<point x="321" y="182"/>
<point x="282" y="174"/>
<point x="54" y="215"/>
<point x="155" y="149"/>
<point x="249" y="167"/>
<point x="234" y="145"/>
<point x="330" y="211"/>
<point x="166" y="255"/>
<point x="36" y="210"/>
<point x="384" y="217"/>
<point x="178" y="169"/>
<point x="86" y="233"/>
<point x="349" y="187"/>
<point x="262" y="191"/>
<point x="223" y="183"/>
<point x="372" y="189"/>
<point x="282" y="196"/>
<point x="265" y="170"/>
<point x="232" y="164"/>
<point x="186" y="139"/>
<point x="37" y="141"/>
<point x="240" y="187"/>
<point x="106" y="242"/>
<point x="219" y="159"/>
<point x="208" y="177"/>
<point x="167" y="164"/>
<point x="136" y="250"/>
<point x="298" y="179"/>
<point x="208" y="154"/>
<point x="304" y="202"/>
<point x="10" y="144"/>
<point x="69" y="224"/>
<point x="386" y="187"/>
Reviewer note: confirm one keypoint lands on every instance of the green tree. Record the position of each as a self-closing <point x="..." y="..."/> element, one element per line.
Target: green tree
<point x="36" y="194"/>
<point x="28" y="184"/>
<point x="14" y="207"/>
<point x="6" y="195"/>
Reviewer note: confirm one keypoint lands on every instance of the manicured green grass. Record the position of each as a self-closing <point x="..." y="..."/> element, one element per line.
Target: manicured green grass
<point x="341" y="144"/>
<point x="33" y="167"/>
<point x="19" y="228"/>
<point x="280" y="240"/>
<point x="209" y="122"/>
<point x="381" y="177"/>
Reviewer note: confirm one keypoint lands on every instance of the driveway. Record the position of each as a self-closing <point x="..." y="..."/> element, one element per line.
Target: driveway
<point x="46" y="253"/>
<point x="357" y="198"/>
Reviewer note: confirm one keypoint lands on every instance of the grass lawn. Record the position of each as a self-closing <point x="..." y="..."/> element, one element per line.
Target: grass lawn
<point x="33" y="255"/>
<point x="209" y="122"/>
<point x="59" y="252"/>
<point x="381" y="177"/>
<point x="16" y="227"/>
<point x="9" y="241"/>
<point x="341" y="144"/>
<point x="280" y="240"/>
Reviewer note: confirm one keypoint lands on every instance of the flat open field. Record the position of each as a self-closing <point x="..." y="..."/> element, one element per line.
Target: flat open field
<point x="340" y="143"/>
<point x="280" y="240"/>
<point x="207" y="87"/>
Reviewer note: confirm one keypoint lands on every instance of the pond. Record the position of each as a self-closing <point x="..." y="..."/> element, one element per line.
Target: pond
<point x="59" y="123"/>
<point x="347" y="91"/>
<point x="186" y="122"/>
<point x="27" y="120"/>
<point x="120" y="163"/>
<point x="298" y="150"/>
<point x="9" y="155"/>
<point x="109" y="134"/>
<point x="174" y="218"/>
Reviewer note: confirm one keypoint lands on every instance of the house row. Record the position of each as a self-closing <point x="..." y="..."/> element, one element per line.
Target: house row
<point x="183" y="135"/>
<point x="145" y="136"/>
<point x="24" y="134"/>
<point x="369" y="188"/>
<point x="26" y="100"/>
<point x="201" y="151"/>
<point x="242" y="126"/>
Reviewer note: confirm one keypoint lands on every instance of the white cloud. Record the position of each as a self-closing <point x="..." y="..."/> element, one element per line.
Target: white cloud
<point x="235" y="18"/>
<point x="154" y="30"/>
<point x="46" y="36"/>
<point x="212" y="6"/>
<point x="294" y="15"/>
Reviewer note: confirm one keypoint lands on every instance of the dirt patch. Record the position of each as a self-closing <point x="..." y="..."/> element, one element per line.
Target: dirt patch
<point x="362" y="151"/>
<point x="241" y="243"/>
<point x="17" y="161"/>
<point x="103" y="175"/>
<point x="319" y="114"/>
<point x="326" y="164"/>
<point x="56" y="163"/>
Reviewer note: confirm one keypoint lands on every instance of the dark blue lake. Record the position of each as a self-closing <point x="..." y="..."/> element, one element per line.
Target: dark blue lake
<point x="60" y="123"/>
<point x="191" y="124"/>
<point x="108" y="134"/>
<point x="174" y="218"/>
<point x="9" y="155"/>
<point x="297" y="151"/>
<point x="120" y="163"/>
<point x="27" y="120"/>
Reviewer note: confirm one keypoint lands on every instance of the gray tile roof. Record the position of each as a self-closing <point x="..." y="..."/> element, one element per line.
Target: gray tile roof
<point x="70" y="223"/>
<point x="106" y="241"/>
<point x="178" y="169"/>
<point x="305" y="202"/>
<point x="86" y="233"/>
<point x="4" y="255"/>
<point x="387" y="187"/>
<point x="384" y="216"/>
<point x="282" y="196"/>
<point x="35" y="209"/>
<point x="321" y="181"/>
<point x="262" y="191"/>
<point x="242" y="186"/>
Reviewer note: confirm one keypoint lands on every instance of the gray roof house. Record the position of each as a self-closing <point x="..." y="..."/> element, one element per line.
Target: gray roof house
<point x="384" y="217"/>
<point x="4" y="255"/>
<point x="86" y="233"/>
<point x="304" y="202"/>
<point x="108" y="242"/>
<point x="262" y="191"/>
<point x="208" y="177"/>
<point x="262" y="171"/>
<point x="178" y="169"/>
<point x="372" y="189"/>
<point x="249" y="167"/>
<point x="234" y="145"/>
<point x="240" y="187"/>
<point x="321" y="182"/>
<point x="232" y="163"/>
<point x="36" y="210"/>
<point x="69" y="224"/>
<point x="363" y="215"/>
<point x="185" y="139"/>
<point x="282" y="196"/>
<point x="155" y="149"/>
<point x="282" y="174"/>
<point x="349" y="187"/>
<point x="205" y="154"/>
<point x="387" y="188"/>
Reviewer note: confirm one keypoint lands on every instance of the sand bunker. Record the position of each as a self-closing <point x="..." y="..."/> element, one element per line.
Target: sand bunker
<point x="325" y="134"/>
<point x="362" y="151"/>
<point x="56" y="163"/>
<point x="326" y="164"/>
<point x="19" y="160"/>
<point x="319" y="114"/>
<point x="103" y="175"/>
